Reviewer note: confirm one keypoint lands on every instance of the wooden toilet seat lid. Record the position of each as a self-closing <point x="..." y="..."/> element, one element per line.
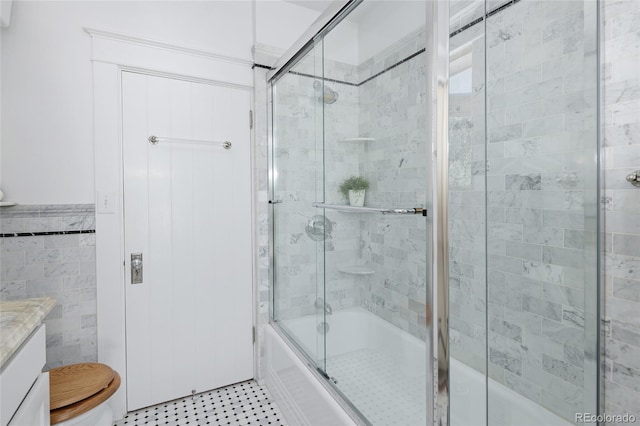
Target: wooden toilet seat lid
<point x="72" y="383"/>
<point x="81" y="407"/>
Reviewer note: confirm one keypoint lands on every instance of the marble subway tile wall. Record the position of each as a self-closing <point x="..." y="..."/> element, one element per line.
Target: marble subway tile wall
<point x="397" y="295"/>
<point x="540" y="92"/>
<point x="312" y="160"/>
<point x="388" y="108"/>
<point x="620" y="112"/>
<point x="391" y="112"/>
<point x="621" y="124"/>
<point x="297" y="164"/>
<point x="467" y="239"/>
<point x="342" y="159"/>
<point x="261" y="196"/>
<point x="59" y="265"/>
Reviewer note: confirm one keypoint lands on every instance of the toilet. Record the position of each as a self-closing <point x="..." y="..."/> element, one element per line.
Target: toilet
<point x="79" y="394"/>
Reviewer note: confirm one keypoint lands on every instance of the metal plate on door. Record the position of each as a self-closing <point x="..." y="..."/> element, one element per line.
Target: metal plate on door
<point x="136" y="268"/>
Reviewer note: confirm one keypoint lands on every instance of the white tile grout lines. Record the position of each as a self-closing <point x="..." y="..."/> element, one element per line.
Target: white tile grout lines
<point x="244" y="403"/>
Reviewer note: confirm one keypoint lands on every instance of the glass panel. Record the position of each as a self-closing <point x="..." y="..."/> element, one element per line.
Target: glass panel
<point x="468" y="203"/>
<point x="298" y="231"/>
<point x="542" y="76"/>
<point x="375" y="270"/>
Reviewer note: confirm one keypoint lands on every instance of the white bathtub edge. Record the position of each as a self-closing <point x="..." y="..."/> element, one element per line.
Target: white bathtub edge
<point x="311" y="403"/>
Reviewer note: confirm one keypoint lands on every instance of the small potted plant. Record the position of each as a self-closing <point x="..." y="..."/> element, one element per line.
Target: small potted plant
<point x="353" y="189"/>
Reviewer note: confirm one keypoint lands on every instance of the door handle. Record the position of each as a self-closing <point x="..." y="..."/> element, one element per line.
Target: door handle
<point x="136" y="268"/>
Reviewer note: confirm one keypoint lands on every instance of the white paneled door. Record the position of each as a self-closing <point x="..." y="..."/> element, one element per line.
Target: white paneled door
<point x="187" y="208"/>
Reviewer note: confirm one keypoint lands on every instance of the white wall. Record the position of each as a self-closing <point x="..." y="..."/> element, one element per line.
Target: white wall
<point x="341" y="44"/>
<point x="46" y="100"/>
<point x="384" y="23"/>
<point x="47" y="133"/>
<point x="47" y="142"/>
<point x="279" y="24"/>
<point x="371" y="28"/>
<point x="1" y="91"/>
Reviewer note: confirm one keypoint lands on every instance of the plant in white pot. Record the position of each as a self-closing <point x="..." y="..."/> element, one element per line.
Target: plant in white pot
<point x="354" y="189"/>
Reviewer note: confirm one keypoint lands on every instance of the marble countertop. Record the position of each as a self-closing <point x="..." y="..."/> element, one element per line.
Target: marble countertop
<point x="18" y="318"/>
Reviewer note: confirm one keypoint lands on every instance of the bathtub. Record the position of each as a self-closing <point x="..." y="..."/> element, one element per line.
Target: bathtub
<point x="358" y="343"/>
<point x="299" y="391"/>
<point x="378" y="368"/>
<point x="506" y="407"/>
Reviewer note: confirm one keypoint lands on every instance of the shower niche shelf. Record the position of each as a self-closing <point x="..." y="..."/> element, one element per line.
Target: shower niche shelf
<point x="358" y="139"/>
<point x="356" y="269"/>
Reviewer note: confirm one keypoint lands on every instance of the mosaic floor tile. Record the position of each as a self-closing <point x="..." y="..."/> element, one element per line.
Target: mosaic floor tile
<point x="244" y="403"/>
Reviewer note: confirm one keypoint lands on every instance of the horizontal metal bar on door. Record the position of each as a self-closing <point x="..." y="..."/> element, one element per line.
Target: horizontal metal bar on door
<point x="339" y="207"/>
<point x="154" y="140"/>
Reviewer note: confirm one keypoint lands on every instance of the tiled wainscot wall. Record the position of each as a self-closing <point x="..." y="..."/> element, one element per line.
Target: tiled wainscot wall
<point x="49" y="250"/>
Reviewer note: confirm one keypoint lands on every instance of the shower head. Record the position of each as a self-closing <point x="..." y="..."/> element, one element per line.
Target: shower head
<point x="329" y="96"/>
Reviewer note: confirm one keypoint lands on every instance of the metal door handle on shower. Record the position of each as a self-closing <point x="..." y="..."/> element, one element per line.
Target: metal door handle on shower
<point x="339" y="207"/>
<point x="634" y="178"/>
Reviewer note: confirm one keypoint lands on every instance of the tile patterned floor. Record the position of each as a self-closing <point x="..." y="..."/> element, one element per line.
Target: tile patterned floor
<point x="381" y="387"/>
<point x="244" y="403"/>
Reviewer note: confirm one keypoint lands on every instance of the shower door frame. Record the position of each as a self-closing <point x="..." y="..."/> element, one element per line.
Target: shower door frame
<point x="437" y="79"/>
<point x="437" y="96"/>
<point x="334" y="13"/>
<point x="436" y="188"/>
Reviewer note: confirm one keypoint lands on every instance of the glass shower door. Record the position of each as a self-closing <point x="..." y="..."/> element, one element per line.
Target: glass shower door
<point x="542" y="82"/>
<point x="467" y="207"/>
<point x="523" y="152"/>
<point x="376" y="271"/>
<point x="299" y="232"/>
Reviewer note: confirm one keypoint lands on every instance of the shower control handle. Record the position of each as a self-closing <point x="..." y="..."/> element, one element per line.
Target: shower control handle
<point x="634" y="178"/>
<point x="136" y="268"/>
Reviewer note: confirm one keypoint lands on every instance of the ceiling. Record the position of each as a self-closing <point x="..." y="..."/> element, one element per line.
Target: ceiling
<point x="321" y="5"/>
<point x="318" y="5"/>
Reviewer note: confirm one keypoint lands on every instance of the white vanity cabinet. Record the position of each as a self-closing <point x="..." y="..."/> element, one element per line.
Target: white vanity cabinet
<point x="24" y="388"/>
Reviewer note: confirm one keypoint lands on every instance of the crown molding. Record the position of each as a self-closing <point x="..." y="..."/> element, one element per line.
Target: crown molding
<point x="148" y="42"/>
<point x="267" y="49"/>
<point x="264" y="54"/>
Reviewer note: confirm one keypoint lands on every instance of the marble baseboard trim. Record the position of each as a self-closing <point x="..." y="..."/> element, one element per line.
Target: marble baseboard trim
<point x="36" y="234"/>
<point x="46" y="219"/>
<point x="46" y="210"/>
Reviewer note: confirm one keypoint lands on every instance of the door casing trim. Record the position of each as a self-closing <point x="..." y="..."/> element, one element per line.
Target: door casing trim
<point x="111" y="55"/>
